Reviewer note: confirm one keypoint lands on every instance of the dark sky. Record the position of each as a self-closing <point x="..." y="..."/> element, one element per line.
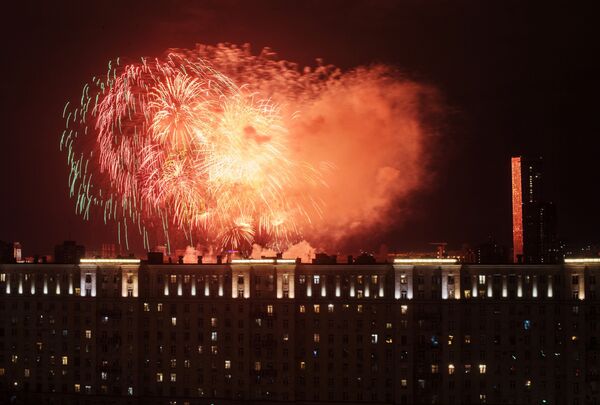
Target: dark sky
<point x="517" y="77"/>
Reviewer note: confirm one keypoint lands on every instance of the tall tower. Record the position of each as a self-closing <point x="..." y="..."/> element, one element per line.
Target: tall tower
<point x="534" y="220"/>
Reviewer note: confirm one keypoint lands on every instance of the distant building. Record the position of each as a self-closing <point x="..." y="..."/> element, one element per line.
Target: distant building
<point x="6" y="252"/>
<point x="534" y="219"/>
<point x="491" y="252"/>
<point x="68" y="252"/>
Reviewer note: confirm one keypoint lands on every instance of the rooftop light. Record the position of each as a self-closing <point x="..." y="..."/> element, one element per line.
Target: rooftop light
<point x="424" y="261"/>
<point x="109" y="261"/>
<point x="583" y="260"/>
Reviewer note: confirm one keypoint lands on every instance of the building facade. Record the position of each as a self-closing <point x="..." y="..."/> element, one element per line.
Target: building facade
<point x="276" y="331"/>
<point x="534" y="219"/>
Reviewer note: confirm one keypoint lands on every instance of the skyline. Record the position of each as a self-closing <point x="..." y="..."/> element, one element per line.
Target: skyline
<point x="493" y="109"/>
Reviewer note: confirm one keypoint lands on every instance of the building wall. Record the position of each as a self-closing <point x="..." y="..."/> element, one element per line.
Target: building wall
<point x="394" y="334"/>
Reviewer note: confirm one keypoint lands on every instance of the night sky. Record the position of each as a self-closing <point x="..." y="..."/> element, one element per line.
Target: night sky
<point x="516" y="77"/>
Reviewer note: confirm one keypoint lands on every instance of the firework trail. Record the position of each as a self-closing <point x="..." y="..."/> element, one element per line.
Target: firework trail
<point x="219" y="146"/>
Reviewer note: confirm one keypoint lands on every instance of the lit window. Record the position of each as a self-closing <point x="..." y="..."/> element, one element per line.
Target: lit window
<point x="451" y="369"/>
<point x="286" y="337"/>
<point x="302" y="309"/>
<point x="317" y="308"/>
<point x="467" y="368"/>
<point x="3" y="277"/>
<point x="388" y="325"/>
<point x="88" y="334"/>
<point x="129" y="390"/>
<point x="403" y="383"/>
<point x="173" y="321"/>
<point x="173" y="278"/>
<point x="481" y="279"/>
<point x="482" y="398"/>
<point x="374" y="338"/>
<point x="104" y="375"/>
<point x="389" y="339"/>
<point x="173" y="377"/>
<point x="187" y="363"/>
<point x="200" y="349"/>
<point x="482" y="369"/>
<point x="213" y="322"/>
<point x="146" y="307"/>
<point x="450" y="340"/>
<point x="467" y="339"/>
<point x="77" y="388"/>
<point x="574" y="338"/>
<point x="269" y="309"/>
<point x="214" y="350"/>
<point x="528" y="383"/>
<point x="227" y="364"/>
<point x="435" y="369"/>
<point x="159" y="307"/>
<point x="213" y="336"/>
<point x="302" y="366"/>
<point x="526" y="324"/>
<point x="26" y="373"/>
<point x="14" y="358"/>
<point x="404" y="309"/>
<point x="257" y="366"/>
<point x="359" y="308"/>
<point x="159" y="377"/>
<point x="65" y="361"/>
<point x="330" y="308"/>
<point x="316" y="338"/>
<point x="173" y="363"/>
<point x="316" y="279"/>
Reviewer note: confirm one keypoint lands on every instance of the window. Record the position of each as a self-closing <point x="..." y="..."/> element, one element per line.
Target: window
<point x="481" y="279"/>
<point x="173" y="278"/>
<point x="450" y="340"/>
<point x="159" y="307"/>
<point x="482" y="369"/>
<point x="359" y="308"/>
<point x="467" y="339"/>
<point x="213" y="322"/>
<point x="173" y="363"/>
<point x="257" y="366"/>
<point x="146" y="307"/>
<point x="65" y="361"/>
<point x="213" y="336"/>
<point x="159" y="377"/>
<point x="317" y="308"/>
<point x="88" y="334"/>
<point x="403" y="383"/>
<point x="227" y="364"/>
<point x="451" y="369"/>
<point x="286" y="337"/>
<point x="467" y="368"/>
<point x="302" y="365"/>
<point x="316" y="338"/>
<point x="173" y="377"/>
<point x="77" y="388"/>
<point x="403" y="309"/>
<point x="330" y="308"/>
<point x="316" y="279"/>
<point x="526" y="324"/>
<point x="374" y="338"/>
<point x="173" y="321"/>
<point x="269" y="309"/>
<point x="302" y="309"/>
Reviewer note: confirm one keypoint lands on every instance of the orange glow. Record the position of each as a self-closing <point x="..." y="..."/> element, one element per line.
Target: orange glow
<point x="517" y="208"/>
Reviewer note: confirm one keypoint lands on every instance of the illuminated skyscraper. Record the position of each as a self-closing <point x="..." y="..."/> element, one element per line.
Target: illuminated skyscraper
<point x="534" y="220"/>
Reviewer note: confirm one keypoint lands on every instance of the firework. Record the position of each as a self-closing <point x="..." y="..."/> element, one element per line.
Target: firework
<point x="223" y="148"/>
<point x="183" y="147"/>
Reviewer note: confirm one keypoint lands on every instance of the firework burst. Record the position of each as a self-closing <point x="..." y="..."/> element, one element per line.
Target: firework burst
<point x="187" y="149"/>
